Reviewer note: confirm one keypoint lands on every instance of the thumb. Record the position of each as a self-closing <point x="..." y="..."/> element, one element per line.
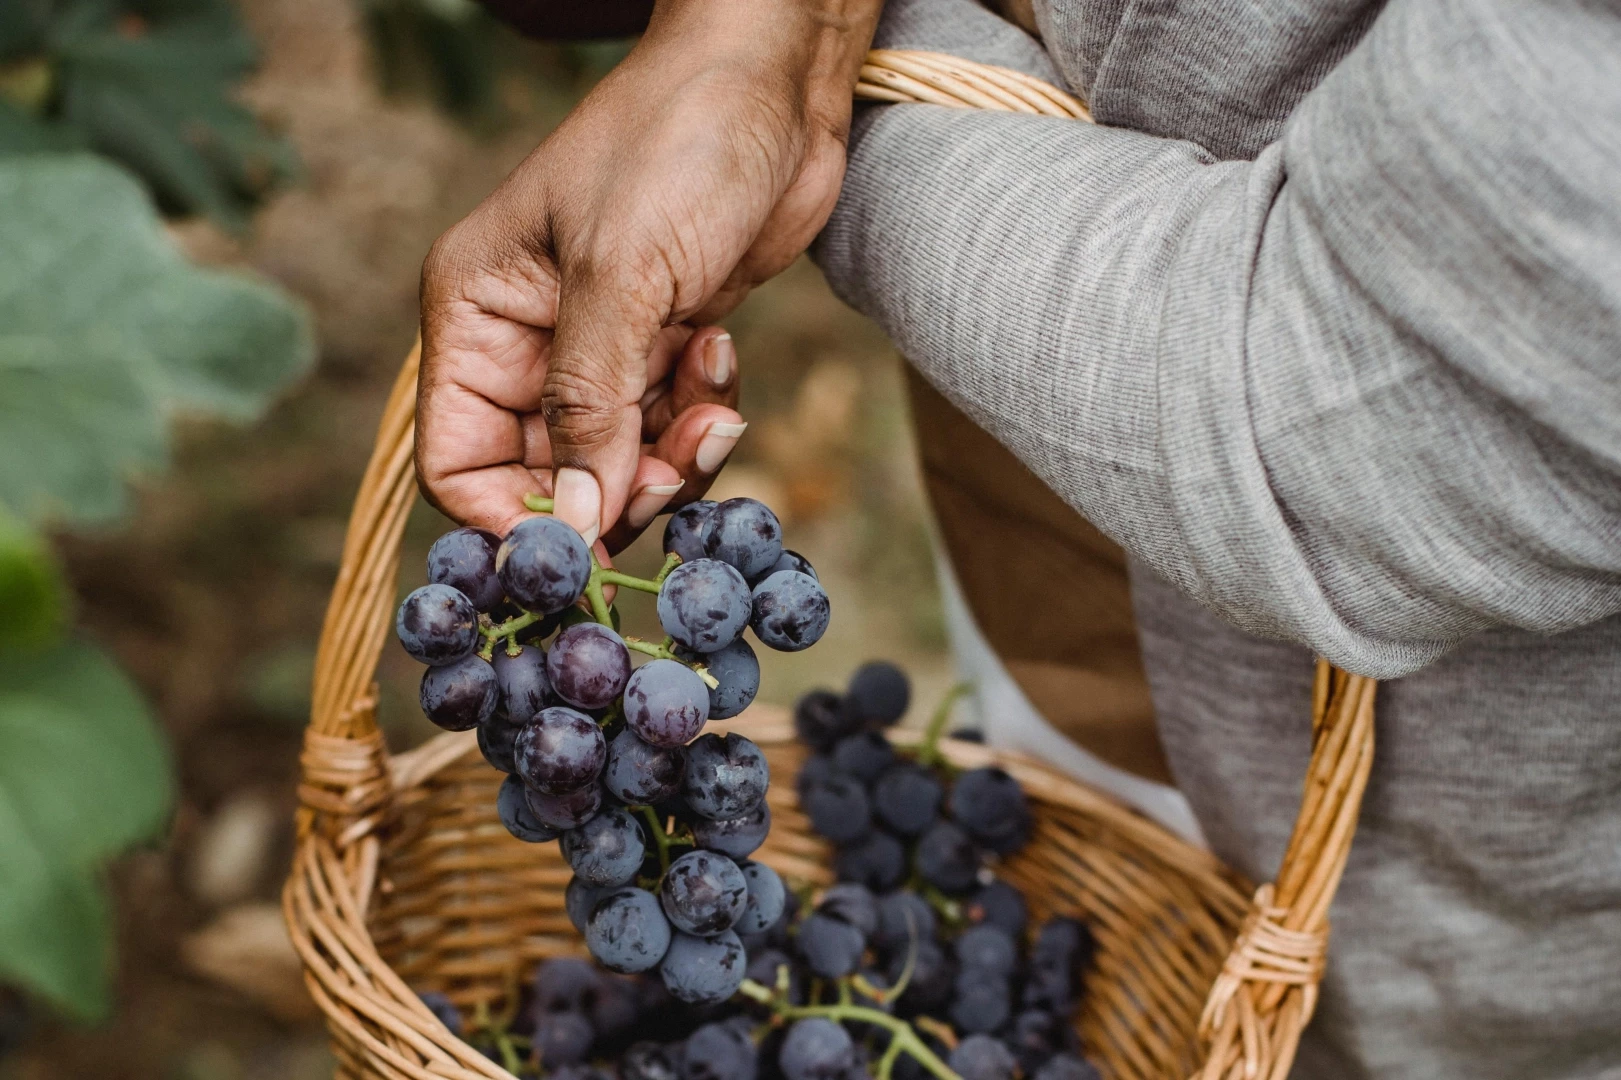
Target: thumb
<point x="597" y="373"/>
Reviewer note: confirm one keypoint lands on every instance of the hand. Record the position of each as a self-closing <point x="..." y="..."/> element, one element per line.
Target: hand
<point x="701" y="166"/>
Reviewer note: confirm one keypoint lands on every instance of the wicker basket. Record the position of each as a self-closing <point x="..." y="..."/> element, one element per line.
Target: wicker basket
<point x="405" y="880"/>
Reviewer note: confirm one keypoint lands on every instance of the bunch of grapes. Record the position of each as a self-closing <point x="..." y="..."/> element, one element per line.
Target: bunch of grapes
<point x="655" y="819"/>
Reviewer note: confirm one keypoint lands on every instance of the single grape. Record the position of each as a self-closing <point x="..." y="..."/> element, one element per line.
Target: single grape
<point x="852" y="903"/>
<point x="864" y="755"/>
<point x="878" y="861"/>
<point x="790" y="560"/>
<point x="443" y="1009"/>
<point x="831" y="948"/>
<point x="704" y="893"/>
<point x="737" y="671"/>
<point x="1000" y="904"/>
<point x="496" y="738"/>
<point x="702" y="971"/>
<point x="981" y="1003"/>
<point x="460" y="695"/>
<point x="563" y="1039"/>
<point x="640" y="774"/>
<point x="515" y="814"/>
<point x="684" y="532"/>
<point x="980" y="1057"/>
<point x="605" y="851"/>
<point x="588" y="665"/>
<point x="464" y="559"/>
<point x="879" y="694"/>
<point x="438" y="625"/>
<point x="617" y="1011"/>
<point x="704" y="605"/>
<point x="817" y="1049"/>
<point x="933" y="976"/>
<point x="578" y="900"/>
<point x="1034" y="1037"/>
<point x="820" y="719"/>
<point x="565" y="984"/>
<point x="947" y="859"/>
<point x="988" y="949"/>
<point x="649" y="1061"/>
<point x="839" y="809"/>
<point x="560" y="750"/>
<point x="1068" y="1067"/>
<point x="543" y="564"/>
<point x="903" y="917"/>
<point x="718" y="1052"/>
<point x="818" y="769"/>
<point x="907" y="799"/>
<point x="665" y="703"/>
<point x="736" y="838"/>
<point x="524" y="687"/>
<point x="1059" y="957"/>
<point x="988" y="803"/>
<point x="745" y="534"/>
<point x="789" y="611"/>
<point x="726" y="776"/>
<point x="768" y="897"/>
<point x="627" y="932"/>
<point x="569" y="810"/>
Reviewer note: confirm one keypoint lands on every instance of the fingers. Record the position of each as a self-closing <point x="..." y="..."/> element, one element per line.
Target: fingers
<point x="697" y="444"/>
<point x="706" y="374"/>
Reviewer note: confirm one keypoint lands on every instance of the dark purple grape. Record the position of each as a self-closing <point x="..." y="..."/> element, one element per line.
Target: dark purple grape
<point x="1000" y="904"/>
<point x="563" y="1039"/>
<point x="768" y="899"/>
<point x="737" y="670"/>
<point x="560" y="750"/>
<point x="438" y="625"/>
<point x="684" y="532"/>
<point x="627" y="932"/>
<point x="789" y="611"/>
<point x="851" y="903"/>
<point x="816" y="1048"/>
<point x="763" y="964"/>
<point x="565" y="984"/>
<point x="458" y="696"/>
<point x="981" y="1003"/>
<point x="907" y="799"/>
<point x="588" y="665"/>
<point x="838" y="809"/>
<point x="578" y="900"/>
<point x="878" y="861"/>
<point x="864" y="755"/>
<point x="443" y="1009"/>
<point x="947" y="859"/>
<point x="649" y="1061"/>
<point x="980" y="1057"/>
<point x="524" y="687"/>
<point x="745" y="534"/>
<point x="605" y="851"/>
<point x="903" y="917"/>
<point x="820" y="719"/>
<point x="879" y="694"/>
<point x="830" y="947"/>
<point x="569" y="810"/>
<point x="1059" y="957"/>
<point x="933" y="976"/>
<point x="736" y="838"/>
<point x="666" y="703"/>
<point x="702" y="971"/>
<point x="640" y="774"/>
<point x="704" y="605"/>
<point x="704" y="893"/>
<point x="496" y="739"/>
<point x="817" y="769"/>
<point x="1035" y="1036"/>
<point x="513" y="809"/>
<point x="543" y="564"/>
<point x="718" y="1051"/>
<point x="988" y="949"/>
<point x="990" y="805"/>
<point x="726" y="776"/>
<point x="1067" y="1066"/>
<point x="790" y="560"/>
<point x="464" y="559"/>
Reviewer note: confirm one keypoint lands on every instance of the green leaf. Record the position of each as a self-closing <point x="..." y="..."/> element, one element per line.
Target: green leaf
<point x="32" y="596"/>
<point x="106" y="331"/>
<point x="83" y="775"/>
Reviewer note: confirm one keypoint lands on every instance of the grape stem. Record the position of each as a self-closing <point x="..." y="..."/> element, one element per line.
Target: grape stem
<point x="902" y="1038"/>
<point x="671" y="561"/>
<point x="493" y="632"/>
<point x="614" y="577"/>
<point x="928" y="751"/>
<point x="540" y="504"/>
<point x="663" y="652"/>
<point x="661" y="839"/>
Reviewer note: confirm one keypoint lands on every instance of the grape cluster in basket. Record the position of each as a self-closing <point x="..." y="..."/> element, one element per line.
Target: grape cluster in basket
<point x="655" y="819"/>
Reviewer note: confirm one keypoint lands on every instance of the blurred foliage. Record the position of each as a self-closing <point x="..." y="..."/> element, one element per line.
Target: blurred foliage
<point x="148" y="83"/>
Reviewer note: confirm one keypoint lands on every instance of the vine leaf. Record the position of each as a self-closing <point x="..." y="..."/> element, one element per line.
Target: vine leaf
<point x="84" y="775"/>
<point x="106" y="331"/>
<point x="32" y="595"/>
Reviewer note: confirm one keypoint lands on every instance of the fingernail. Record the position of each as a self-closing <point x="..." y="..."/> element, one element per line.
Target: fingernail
<point x="716" y="444"/>
<point x="648" y="502"/>
<point x="578" y="500"/>
<point x="720" y="360"/>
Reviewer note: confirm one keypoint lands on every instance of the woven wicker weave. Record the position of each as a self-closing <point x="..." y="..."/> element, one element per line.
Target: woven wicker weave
<point x="404" y="879"/>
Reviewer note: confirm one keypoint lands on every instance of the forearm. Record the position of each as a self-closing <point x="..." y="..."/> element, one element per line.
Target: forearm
<point x="569" y="20"/>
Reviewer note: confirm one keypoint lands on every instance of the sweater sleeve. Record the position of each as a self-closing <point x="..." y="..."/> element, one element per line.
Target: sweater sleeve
<point x="1362" y="393"/>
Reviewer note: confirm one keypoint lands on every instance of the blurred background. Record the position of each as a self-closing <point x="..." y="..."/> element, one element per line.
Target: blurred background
<point x="212" y="218"/>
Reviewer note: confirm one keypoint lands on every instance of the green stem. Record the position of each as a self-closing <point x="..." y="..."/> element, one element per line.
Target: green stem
<point x="540" y="504"/>
<point x="671" y="561"/>
<point x="661" y="839"/>
<point x="901" y="1032"/>
<point x="614" y="577"/>
<point x="664" y="652"/>
<point x="887" y="1063"/>
<point x="928" y="751"/>
<point x="593" y="593"/>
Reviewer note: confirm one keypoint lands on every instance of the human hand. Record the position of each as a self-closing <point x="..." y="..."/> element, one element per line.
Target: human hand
<point x="702" y="165"/>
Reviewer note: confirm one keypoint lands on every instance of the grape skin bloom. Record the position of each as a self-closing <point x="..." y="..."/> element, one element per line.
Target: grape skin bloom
<point x="745" y="534"/>
<point x="458" y="696"/>
<point x="789" y="611"/>
<point x="666" y="703"/>
<point x="560" y="750"/>
<point x="437" y="625"/>
<point x="627" y="932"/>
<point x="704" y="605"/>
<point x="464" y="559"/>
<point x="588" y="665"/>
<point x="702" y="971"/>
<point x="543" y="564"/>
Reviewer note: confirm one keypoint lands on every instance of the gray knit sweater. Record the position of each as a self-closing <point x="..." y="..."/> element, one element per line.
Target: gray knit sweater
<point x="1324" y="327"/>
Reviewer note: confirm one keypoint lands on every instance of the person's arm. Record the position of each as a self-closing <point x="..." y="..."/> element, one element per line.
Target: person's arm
<point x="571" y="20"/>
<point x="1363" y="393"/>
